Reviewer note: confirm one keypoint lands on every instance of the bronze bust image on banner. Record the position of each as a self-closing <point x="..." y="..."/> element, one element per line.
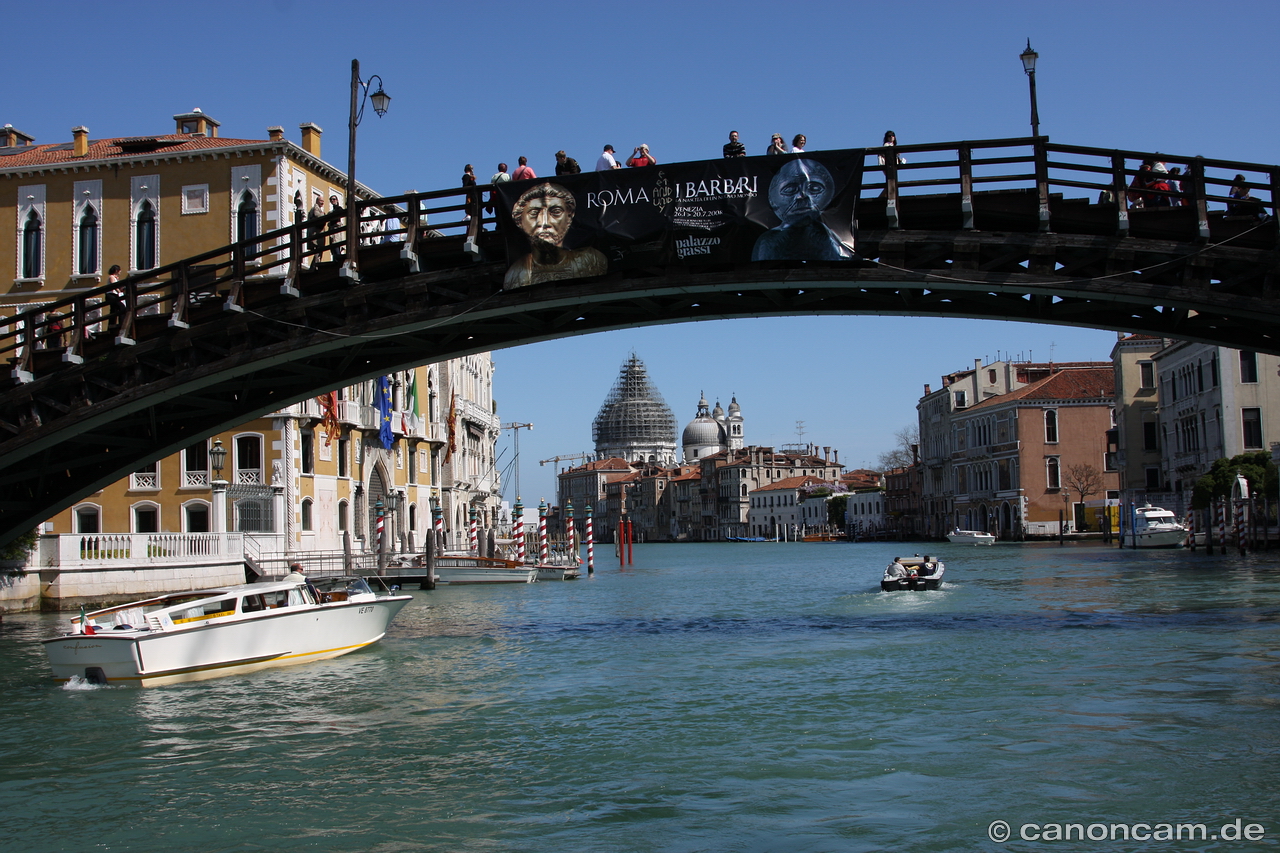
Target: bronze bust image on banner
<point x="544" y="213"/>
<point x="798" y="194"/>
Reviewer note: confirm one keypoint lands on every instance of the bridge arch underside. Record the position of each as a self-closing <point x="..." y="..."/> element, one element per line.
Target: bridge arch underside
<point x="75" y="428"/>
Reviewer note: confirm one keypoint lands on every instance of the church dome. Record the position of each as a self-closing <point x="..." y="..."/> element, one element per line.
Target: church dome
<point x="635" y="422"/>
<point x="702" y="432"/>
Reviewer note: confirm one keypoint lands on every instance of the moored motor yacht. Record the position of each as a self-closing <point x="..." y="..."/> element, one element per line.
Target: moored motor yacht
<point x="912" y="573"/>
<point x="970" y="537"/>
<point x="1155" y="527"/>
<point x="187" y="636"/>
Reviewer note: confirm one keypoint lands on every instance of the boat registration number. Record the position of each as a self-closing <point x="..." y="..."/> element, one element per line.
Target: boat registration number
<point x="366" y="609"/>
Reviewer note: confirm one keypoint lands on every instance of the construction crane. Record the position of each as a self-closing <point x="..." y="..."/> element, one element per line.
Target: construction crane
<point x="585" y="457"/>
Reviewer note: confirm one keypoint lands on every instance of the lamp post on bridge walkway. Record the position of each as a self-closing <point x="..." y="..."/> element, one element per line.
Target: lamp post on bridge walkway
<point x="515" y="428"/>
<point x="381" y="100"/>
<point x="1029" y="58"/>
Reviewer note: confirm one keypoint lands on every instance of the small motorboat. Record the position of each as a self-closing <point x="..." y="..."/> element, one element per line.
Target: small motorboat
<point x="970" y="537"/>
<point x="188" y="636"/>
<point x="1154" y="527"/>
<point x="912" y="573"/>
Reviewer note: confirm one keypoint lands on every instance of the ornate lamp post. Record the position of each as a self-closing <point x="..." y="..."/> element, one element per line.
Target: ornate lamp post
<point x="381" y="101"/>
<point x="218" y="459"/>
<point x="1028" y="58"/>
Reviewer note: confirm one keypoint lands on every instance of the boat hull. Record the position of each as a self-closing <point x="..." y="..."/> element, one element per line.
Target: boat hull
<point x="485" y="574"/>
<point x="971" y="537"/>
<point x="1158" y="539"/>
<point x="276" y="638"/>
<point x="557" y="573"/>
<point x="912" y="584"/>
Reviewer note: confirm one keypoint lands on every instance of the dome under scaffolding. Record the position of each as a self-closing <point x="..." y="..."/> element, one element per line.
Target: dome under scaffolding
<point x="635" y="423"/>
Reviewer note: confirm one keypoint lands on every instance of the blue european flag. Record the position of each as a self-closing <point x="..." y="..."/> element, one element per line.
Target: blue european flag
<point x="384" y="412"/>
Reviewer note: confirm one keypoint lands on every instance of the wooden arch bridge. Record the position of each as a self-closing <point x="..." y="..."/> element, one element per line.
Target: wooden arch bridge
<point x="101" y="383"/>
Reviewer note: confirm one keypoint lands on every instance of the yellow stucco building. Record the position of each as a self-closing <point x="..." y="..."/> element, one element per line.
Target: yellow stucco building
<point x="303" y="477"/>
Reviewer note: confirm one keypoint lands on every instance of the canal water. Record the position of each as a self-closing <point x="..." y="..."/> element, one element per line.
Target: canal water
<point x="714" y="697"/>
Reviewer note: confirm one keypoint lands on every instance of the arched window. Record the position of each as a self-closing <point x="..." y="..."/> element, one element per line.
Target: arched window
<point x="196" y="517"/>
<point x="1051" y="426"/>
<point x="1053" y="475"/>
<point x="342" y="516"/>
<point x="249" y="460"/>
<point x="145" y="237"/>
<point x="32" y="235"/>
<point x="247" y="217"/>
<point x="88" y="244"/>
<point x="146" y="518"/>
<point x="306" y="515"/>
<point x="413" y="516"/>
<point x="88" y="519"/>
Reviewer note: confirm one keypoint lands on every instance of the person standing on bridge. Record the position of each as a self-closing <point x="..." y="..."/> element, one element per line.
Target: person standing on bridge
<point x="891" y="140"/>
<point x="523" y="172"/>
<point x="798" y="143"/>
<point x="315" y="229"/>
<point x="607" y="161"/>
<point x="734" y="148"/>
<point x="566" y="165"/>
<point x="640" y="156"/>
<point x="776" y="145"/>
<point x="499" y="177"/>
<point x="338" y="244"/>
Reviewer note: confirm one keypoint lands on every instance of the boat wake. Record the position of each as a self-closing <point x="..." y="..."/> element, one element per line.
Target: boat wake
<point x="77" y="682"/>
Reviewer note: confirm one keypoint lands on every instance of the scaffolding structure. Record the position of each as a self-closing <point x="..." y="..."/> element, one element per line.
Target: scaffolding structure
<point x="635" y="423"/>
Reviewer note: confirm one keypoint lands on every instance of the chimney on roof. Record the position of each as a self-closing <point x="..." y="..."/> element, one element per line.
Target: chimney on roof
<point x="11" y="137"/>
<point x="196" y="123"/>
<point x="826" y="454"/>
<point x="926" y="389"/>
<point x="311" y="138"/>
<point x="275" y="133"/>
<point x="977" y="365"/>
<point x="80" y="135"/>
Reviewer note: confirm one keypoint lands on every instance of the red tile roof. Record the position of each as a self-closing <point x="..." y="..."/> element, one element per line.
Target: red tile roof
<point x="123" y="147"/>
<point x="1082" y="383"/>
<point x="790" y="483"/>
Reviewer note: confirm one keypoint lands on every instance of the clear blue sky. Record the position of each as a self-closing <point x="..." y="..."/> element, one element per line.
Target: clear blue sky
<point x="487" y="81"/>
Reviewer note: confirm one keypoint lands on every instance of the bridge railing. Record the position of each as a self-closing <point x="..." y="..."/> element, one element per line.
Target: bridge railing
<point x="998" y="184"/>
<point x="1085" y="189"/>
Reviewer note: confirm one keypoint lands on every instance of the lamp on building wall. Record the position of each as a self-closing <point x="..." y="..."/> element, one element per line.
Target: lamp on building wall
<point x="381" y="101"/>
<point x="1029" y="58"/>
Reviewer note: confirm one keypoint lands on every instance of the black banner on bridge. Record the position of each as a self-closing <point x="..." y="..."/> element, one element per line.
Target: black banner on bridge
<point x="785" y="207"/>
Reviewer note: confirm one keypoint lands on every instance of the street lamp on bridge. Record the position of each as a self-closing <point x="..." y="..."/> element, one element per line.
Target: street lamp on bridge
<point x="381" y="100"/>
<point x="515" y="428"/>
<point x="1028" y="58"/>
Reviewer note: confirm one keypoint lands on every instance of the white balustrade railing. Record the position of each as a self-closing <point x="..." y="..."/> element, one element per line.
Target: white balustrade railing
<point x="140" y="550"/>
<point x="195" y="478"/>
<point x="144" y="480"/>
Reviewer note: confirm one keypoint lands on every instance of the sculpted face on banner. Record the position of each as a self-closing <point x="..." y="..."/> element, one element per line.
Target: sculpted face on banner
<point x="798" y="194"/>
<point x="544" y="213"/>
<point x="800" y="191"/>
<point x="546" y="219"/>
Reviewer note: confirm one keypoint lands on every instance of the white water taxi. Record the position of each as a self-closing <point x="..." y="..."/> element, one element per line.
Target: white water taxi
<point x="187" y="636"/>
<point x="970" y="537"/>
<point x="1155" y="527"/>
